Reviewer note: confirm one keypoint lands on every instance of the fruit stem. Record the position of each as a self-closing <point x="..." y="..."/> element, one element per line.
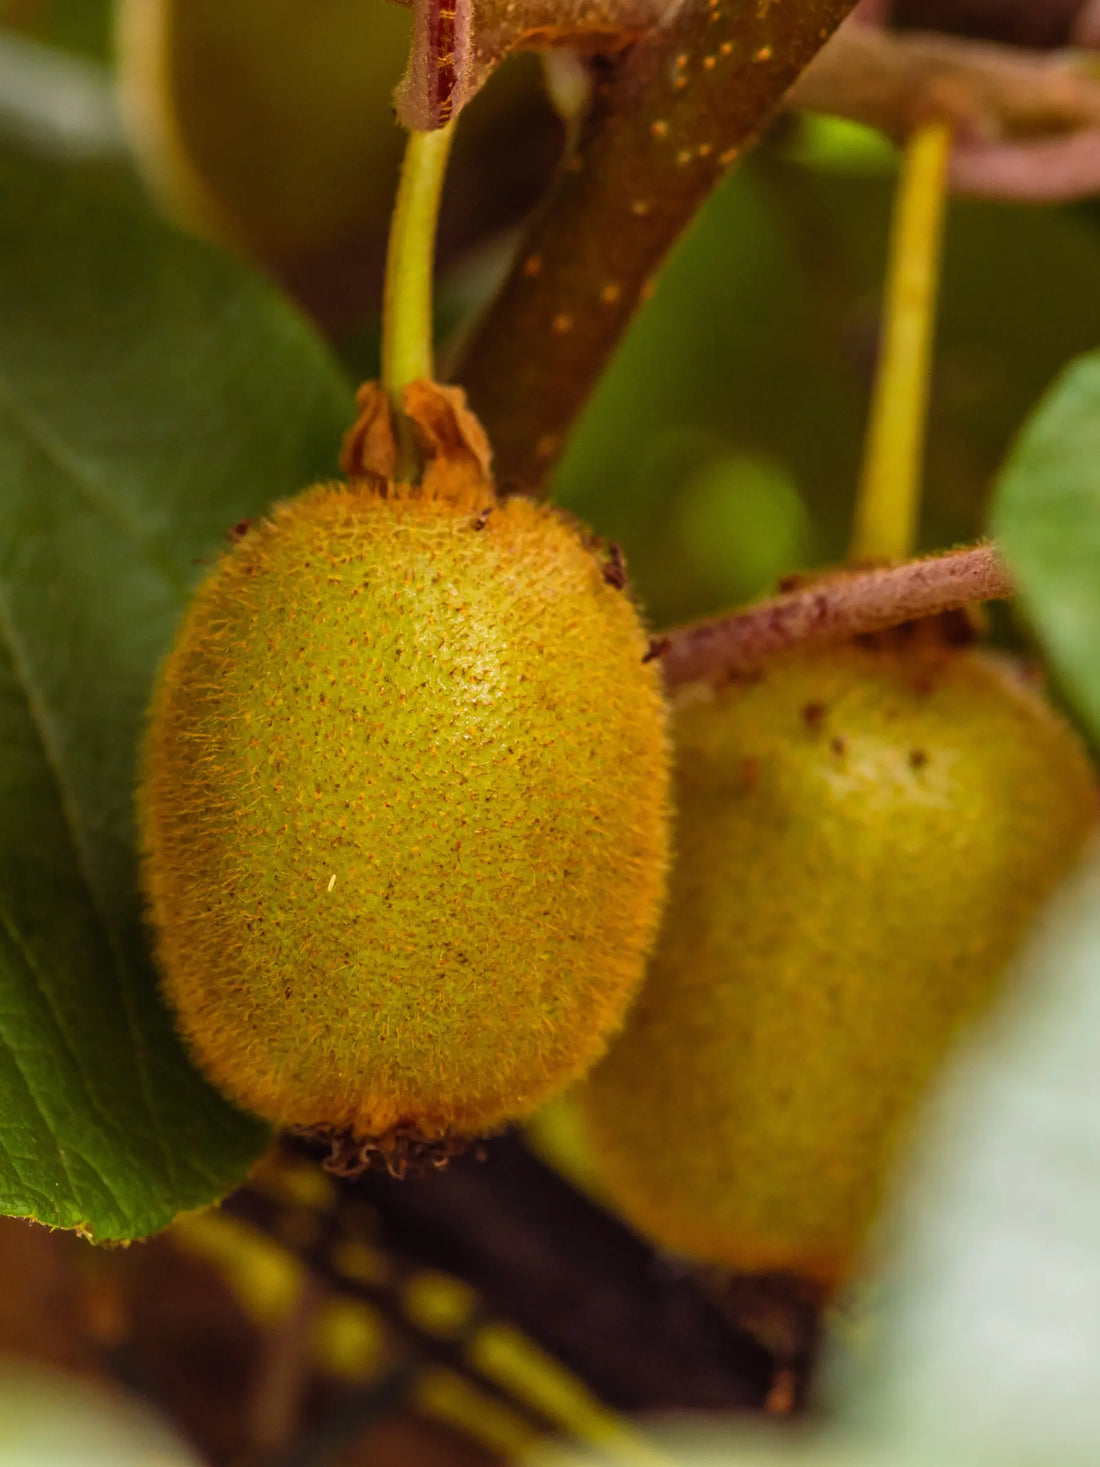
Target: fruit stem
<point x="889" y="490"/>
<point x="407" y="298"/>
<point x="830" y="610"/>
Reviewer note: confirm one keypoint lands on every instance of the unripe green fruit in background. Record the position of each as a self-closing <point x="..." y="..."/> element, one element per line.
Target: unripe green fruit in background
<point x="864" y="834"/>
<point x="404" y="811"/>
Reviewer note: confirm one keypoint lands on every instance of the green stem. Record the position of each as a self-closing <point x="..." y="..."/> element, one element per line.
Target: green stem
<point x="889" y="491"/>
<point x="407" y="301"/>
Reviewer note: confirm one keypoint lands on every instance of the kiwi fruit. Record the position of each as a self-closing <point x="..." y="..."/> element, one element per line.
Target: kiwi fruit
<point x="864" y="833"/>
<point x="404" y="803"/>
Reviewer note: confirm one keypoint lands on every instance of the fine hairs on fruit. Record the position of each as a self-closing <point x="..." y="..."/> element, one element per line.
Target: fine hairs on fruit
<point x="864" y="833"/>
<point x="405" y="798"/>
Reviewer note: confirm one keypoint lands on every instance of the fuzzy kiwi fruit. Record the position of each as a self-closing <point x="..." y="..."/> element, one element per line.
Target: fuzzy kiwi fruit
<point x="865" y="831"/>
<point x="404" y="801"/>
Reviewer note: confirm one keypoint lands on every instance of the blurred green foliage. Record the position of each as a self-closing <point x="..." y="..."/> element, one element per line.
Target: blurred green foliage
<point x="74" y="25"/>
<point x="721" y="449"/>
<point x="758" y="348"/>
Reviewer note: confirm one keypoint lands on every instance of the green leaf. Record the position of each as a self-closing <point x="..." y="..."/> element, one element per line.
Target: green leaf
<point x="152" y="393"/>
<point x="987" y="1346"/>
<point x="1046" y="514"/>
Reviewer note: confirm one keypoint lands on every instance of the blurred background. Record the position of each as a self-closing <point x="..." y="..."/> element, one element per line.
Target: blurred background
<point x="721" y="452"/>
<point x="722" y="448"/>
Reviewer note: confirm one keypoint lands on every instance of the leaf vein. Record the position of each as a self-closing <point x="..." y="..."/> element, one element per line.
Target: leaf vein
<point x="15" y="938"/>
<point x="40" y="721"/>
<point x="74" y="1190"/>
<point x="94" y="493"/>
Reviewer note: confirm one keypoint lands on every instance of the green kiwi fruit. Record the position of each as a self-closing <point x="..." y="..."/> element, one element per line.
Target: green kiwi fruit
<point x="864" y="833"/>
<point x="404" y="803"/>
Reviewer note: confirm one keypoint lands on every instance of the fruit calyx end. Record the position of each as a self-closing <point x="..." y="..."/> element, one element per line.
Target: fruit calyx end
<point x="402" y="1152"/>
<point x="453" y="445"/>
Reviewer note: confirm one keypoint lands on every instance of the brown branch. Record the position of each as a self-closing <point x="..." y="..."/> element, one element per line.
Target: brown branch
<point x="987" y="92"/>
<point x="1086" y="29"/>
<point x="278" y="1395"/>
<point x="1040" y="23"/>
<point x="845" y="605"/>
<point x="667" y="120"/>
<point x="317" y="1244"/>
<point x="1027" y="123"/>
<point x="1058" y="171"/>
<point x="569" y="1275"/>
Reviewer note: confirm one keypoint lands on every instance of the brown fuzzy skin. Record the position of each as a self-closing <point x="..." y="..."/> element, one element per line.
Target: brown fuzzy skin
<point x="865" y="832"/>
<point x="404" y="811"/>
